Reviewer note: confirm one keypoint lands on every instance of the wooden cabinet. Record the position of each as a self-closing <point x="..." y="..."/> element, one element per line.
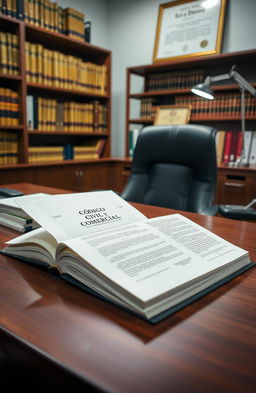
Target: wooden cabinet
<point x="69" y="85"/>
<point x="236" y="186"/>
<point x="78" y="177"/>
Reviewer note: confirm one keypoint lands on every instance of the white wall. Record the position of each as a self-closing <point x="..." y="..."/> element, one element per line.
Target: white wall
<point x="128" y="27"/>
<point x="97" y="12"/>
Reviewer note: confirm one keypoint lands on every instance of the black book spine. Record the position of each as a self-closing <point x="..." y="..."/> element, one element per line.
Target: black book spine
<point x="20" y="9"/>
<point x="4" y="7"/>
<point x="87" y="31"/>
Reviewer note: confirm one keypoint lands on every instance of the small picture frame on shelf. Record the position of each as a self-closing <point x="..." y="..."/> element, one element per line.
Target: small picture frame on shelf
<point x="172" y="114"/>
<point x="188" y="28"/>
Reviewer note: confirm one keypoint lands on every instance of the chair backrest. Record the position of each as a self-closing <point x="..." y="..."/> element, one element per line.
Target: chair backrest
<point x="174" y="166"/>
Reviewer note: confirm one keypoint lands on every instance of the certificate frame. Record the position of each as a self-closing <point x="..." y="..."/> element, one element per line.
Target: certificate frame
<point x="172" y="114"/>
<point x="186" y="28"/>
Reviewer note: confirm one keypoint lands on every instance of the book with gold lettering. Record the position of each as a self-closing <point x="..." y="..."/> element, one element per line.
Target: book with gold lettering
<point x="92" y="150"/>
<point x="39" y="63"/>
<point x="3" y="53"/>
<point x="102" y="244"/>
<point x="8" y="148"/>
<point x="9" y="107"/>
<point x="74" y="23"/>
<point x="33" y="60"/>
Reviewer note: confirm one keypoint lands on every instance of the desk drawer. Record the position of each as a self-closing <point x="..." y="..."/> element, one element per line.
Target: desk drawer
<point x="236" y="186"/>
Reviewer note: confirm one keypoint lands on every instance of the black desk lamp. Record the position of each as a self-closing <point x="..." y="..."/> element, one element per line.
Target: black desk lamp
<point x="204" y="90"/>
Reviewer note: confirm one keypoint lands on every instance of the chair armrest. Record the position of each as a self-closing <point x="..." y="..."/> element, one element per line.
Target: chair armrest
<point x="210" y="210"/>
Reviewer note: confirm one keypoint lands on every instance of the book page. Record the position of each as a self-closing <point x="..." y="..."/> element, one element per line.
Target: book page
<point x="26" y="245"/>
<point x="196" y="239"/>
<point x="146" y="260"/>
<point x="70" y="215"/>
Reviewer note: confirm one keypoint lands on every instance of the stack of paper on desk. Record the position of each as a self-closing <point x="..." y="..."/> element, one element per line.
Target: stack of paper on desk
<point x="13" y="216"/>
<point x="99" y="242"/>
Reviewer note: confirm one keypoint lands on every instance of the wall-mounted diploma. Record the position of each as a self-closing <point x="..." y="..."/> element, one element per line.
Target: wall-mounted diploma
<point x="189" y="28"/>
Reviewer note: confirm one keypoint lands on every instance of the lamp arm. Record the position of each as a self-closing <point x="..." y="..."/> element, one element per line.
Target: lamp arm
<point x="233" y="74"/>
<point x="217" y="78"/>
<point x="243" y="82"/>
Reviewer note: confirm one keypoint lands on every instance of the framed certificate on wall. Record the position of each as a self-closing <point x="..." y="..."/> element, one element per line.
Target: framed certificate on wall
<point x="189" y="28"/>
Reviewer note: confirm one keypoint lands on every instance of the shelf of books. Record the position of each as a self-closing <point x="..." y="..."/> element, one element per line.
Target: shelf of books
<point x="54" y="86"/>
<point x="155" y="85"/>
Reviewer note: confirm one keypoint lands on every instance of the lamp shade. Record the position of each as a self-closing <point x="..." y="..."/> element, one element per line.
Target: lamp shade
<point x="203" y="90"/>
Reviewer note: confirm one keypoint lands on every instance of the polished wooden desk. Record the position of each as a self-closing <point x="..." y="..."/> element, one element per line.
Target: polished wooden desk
<point x="79" y="343"/>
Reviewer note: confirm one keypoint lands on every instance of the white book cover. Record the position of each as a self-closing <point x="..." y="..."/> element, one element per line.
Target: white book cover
<point x="30" y="112"/>
<point x="247" y="146"/>
<point x="252" y="157"/>
<point x="66" y="216"/>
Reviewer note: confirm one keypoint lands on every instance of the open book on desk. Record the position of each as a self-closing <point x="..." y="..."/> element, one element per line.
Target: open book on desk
<point x="151" y="267"/>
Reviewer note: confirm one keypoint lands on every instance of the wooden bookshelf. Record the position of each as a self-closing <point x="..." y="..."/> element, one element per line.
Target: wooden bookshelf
<point x="210" y="65"/>
<point x="168" y="82"/>
<point x="71" y="47"/>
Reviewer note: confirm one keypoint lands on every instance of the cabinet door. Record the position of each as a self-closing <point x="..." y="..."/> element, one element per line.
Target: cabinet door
<point x="77" y="177"/>
<point x="55" y="176"/>
<point x="236" y="187"/>
<point x="97" y="176"/>
<point x="109" y="175"/>
<point x="16" y="175"/>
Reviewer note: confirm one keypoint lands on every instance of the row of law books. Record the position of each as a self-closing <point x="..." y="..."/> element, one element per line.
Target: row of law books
<point x="9" y="54"/>
<point x="92" y="150"/>
<point x="54" y="68"/>
<point x="224" y="105"/>
<point x="9" y="107"/>
<point x="147" y="108"/>
<point x="45" y="154"/>
<point x="8" y="147"/>
<point x="45" y="114"/>
<point x="229" y="147"/>
<point x="46" y="14"/>
<point x="175" y="80"/>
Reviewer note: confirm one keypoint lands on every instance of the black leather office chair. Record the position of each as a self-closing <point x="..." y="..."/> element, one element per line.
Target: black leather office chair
<point x="174" y="166"/>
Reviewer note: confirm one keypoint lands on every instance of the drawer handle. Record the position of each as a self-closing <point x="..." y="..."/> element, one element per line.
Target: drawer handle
<point x="239" y="185"/>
